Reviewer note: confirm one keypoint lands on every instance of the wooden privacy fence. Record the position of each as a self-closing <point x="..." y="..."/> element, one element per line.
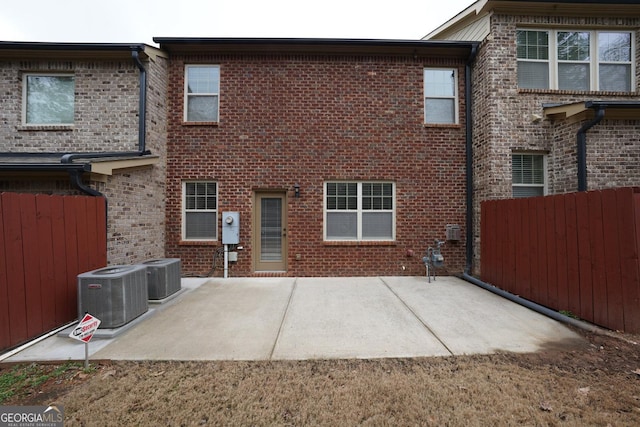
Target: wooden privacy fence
<point x="45" y="242"/>
<point x="576" y="252"/>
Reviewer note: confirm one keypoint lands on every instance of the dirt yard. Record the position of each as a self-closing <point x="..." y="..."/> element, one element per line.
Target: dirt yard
<point x="597" y="384"/>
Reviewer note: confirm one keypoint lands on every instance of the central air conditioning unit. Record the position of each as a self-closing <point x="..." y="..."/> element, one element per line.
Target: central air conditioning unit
<point x="163" y="277"/>
<point x="116" y="295"/>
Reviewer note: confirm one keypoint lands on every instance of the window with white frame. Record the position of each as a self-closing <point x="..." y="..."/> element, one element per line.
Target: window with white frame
<point x="440" y="96"/>
<point x="48" y="99"/>
<point x="201" y="93"/>
<point x="575" y="60"/>
<point x="359" y="211"/>
<point x="199" y="210"/>
<point x="528" y="174"/>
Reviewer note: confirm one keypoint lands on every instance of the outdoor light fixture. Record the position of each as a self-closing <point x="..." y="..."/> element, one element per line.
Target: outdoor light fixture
<point x="296" y="190"/>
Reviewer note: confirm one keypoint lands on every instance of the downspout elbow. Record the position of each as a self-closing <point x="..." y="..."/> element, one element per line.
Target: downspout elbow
<point x="581" y="137"/>
<point x="76" y="181"/>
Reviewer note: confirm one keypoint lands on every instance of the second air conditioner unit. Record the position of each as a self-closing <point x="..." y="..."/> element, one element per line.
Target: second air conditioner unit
<point x="116" y="295"/>
<point x="163" y="277"/>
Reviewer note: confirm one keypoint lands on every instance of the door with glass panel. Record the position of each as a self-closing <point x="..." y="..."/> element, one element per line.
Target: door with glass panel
<point x="270" y="236"/>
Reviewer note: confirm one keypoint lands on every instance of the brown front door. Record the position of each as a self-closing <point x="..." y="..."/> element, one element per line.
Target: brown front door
<point x="270" y="237"/>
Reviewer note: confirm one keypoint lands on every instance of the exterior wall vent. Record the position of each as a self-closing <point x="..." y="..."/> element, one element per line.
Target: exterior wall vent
<point x="453" y="232"/>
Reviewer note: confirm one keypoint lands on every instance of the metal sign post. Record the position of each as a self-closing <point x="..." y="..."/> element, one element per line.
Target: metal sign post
<point x="84" y="332"/>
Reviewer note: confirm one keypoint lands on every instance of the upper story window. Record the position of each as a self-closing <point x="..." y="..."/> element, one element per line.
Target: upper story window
<point x="48" y="99"/>
<point x="359" y="211"/>
<point x="199" y="210"/>
<point x="575" y="60"/>
<point x="529" y="174"/>
<point x="440" y="96"/>
<point x="201" y="93"/>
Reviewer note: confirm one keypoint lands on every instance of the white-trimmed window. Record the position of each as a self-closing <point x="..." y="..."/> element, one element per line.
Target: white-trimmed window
<point x="48" y="99"/>
<point x="440" y="96"/>
<point x="575" y="60"/>
<point x="201" y="93"/>
<point x="359" y="211"/>
<point x="199" y="210"/>
<point x="529" y="174"/>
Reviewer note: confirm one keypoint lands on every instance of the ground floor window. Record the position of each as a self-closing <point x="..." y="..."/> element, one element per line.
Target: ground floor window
<point x="529" y="174"/>
<point x="199" y="210"/>
<point x="359" y="211"/>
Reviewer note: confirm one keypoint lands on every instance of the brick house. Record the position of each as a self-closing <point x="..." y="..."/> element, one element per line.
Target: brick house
<point x="342" y="157"/>
<point x="89" y="119"/>
<point x="556" y="105"/>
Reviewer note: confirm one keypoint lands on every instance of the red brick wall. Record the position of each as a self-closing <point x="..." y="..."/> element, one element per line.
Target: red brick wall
<point x="307" y="119"/>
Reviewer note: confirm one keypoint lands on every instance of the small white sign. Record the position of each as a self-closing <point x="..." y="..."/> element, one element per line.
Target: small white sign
<point x="85" y="329"/>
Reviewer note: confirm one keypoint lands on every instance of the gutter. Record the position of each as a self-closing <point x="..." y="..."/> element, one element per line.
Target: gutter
<point x="469" y="154"/>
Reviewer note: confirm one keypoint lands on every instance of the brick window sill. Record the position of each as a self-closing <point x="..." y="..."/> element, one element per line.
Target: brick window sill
<point x="198" y="243"/>
<point x="359" y="243"/>
<point x="211" y="124"/>
<point x="44" y="127"/>
<point x="578" y="92"/>
<point x="443" y="125"/>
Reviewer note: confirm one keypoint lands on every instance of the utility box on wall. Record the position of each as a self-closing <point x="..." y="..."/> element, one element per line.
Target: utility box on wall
<point x="230" y="228"/>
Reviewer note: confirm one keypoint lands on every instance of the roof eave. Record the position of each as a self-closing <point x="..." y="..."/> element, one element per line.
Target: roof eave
<point x="313" y="45"/>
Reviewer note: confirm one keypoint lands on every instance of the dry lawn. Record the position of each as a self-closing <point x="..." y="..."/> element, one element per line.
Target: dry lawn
<point x="593" y="385"/>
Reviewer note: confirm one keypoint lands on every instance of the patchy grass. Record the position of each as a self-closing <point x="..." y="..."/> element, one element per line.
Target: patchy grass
<point x="19" y="380"/>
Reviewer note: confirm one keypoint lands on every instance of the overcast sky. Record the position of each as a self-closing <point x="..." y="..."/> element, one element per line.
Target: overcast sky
<point x="138" y="21"/>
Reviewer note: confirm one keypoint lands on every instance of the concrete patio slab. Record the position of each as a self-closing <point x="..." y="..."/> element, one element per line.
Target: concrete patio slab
<point x="309" y="318"/>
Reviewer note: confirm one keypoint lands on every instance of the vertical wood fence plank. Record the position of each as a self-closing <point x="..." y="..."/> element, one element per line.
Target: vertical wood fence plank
<point x="101" y="237"/>
<point x="91" y="233"/>
<point x="534" y="253"/>
<point x="584" y="258"/>
<point x="511" y="229"/>
<point x="523" y="264"/>
<point x="45" y="257"/>
<point x="484" y="259"/>
<point x="71" y="250"/>
<point x="573" y="265"/>
<point x="501" y="244"/>
<point x="599" y="278"/>
<point x="59" y="256"/>
<point x="5" y="331"/>
<point x="551" y="252"/>
<point x="611" y="228"/>
<point x="487" y="233"/>
<point x="631" y="273"/>
<point x="559" y="206"/>
<point x="15" y="268"/>
<point x="539" y="282"/>
<point x="33" y="292"/>
<point x="80" y="204"/>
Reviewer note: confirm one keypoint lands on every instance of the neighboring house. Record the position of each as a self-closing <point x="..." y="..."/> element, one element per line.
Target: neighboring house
<point x="556" y="106"/>
<point x="342" y="157"/>
<point x="89" y="119"/>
